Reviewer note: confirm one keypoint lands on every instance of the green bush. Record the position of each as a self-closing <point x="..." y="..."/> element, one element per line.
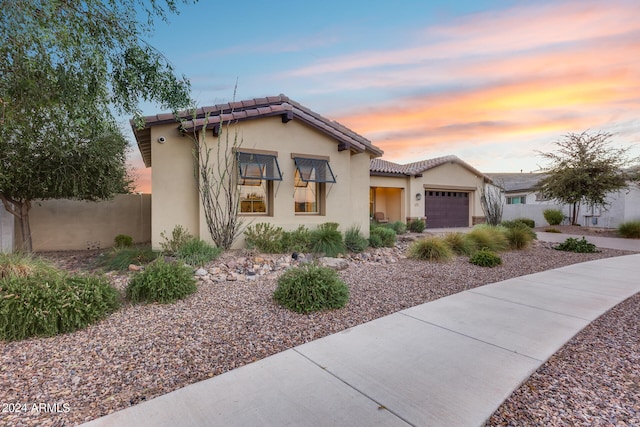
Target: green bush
<point x="327" y="239"/>
<point x="354" y="241"/>
<point x="122" y="258"/>
<point x="417" y="226"/>
<point x="552" y="230"/>
<point x="179" y="236"/>
<point x="375" y="241"/>
<point x="162" y="282"/>
<point x="553" y="216"/>
<point x="197" y="252"/>
<point x="399" y="227"/>
<point x="485" y="258"/>
<point x="49" y="303"/>
<point x="630" y="229"/>
<point x="22" y="265"/>
<point x="526" y="221"/>
<point x="265" y="237"/>
<point x="489" y="236"/>
<point x="298" y="240"/>
<point x="311" y="288"/>
<point x="460" y="243"/>
<point x="431" y="249"/>
<point x="383" y="237"/>
<point x="123" y="241"/>
<point x="575" y="245"/>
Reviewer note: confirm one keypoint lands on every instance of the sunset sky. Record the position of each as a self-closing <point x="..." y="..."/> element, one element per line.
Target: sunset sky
<point x="488" y="81"/>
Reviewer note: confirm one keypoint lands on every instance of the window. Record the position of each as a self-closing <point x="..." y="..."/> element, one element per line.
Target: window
<point x="309" y="180"/>
<point x="256" y="173"/>
<point x="516" y="200"/>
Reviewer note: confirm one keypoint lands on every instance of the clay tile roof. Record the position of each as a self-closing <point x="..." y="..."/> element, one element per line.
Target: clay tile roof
<point x="253" y="108"/>
<point x="384" y="167"/>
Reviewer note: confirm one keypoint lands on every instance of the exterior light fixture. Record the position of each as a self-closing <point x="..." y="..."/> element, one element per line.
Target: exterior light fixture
<point x="418" y="196"/>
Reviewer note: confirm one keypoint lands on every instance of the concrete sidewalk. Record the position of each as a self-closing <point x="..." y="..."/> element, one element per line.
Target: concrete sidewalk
<point x="601" y="242"/>
<point x="449" y="362"/>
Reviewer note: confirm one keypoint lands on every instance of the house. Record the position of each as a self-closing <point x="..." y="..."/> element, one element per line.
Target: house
<point x="6" y="230"/>
<point x="291" y="166"/>
<point x="445" y="190"/>
<point x="524" y="200"/>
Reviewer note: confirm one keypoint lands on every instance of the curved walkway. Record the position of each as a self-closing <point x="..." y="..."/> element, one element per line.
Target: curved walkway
<point x="449" y="362"/>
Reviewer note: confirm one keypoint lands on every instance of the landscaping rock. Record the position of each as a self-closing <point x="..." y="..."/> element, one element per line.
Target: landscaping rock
<point x="335" y="263"/>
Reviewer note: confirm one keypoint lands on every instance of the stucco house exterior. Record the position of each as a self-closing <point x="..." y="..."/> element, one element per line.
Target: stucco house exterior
<point x="523" y="199"/>
<point x="445" y="190"/>
<point x="292" y="166"/>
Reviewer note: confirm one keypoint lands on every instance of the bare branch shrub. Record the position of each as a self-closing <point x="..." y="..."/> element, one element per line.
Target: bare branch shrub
<point x="492" y="203"/>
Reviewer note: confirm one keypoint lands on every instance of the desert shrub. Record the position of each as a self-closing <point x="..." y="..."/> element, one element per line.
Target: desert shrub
<point x="298" y="240"/>
<point x="552" y="230"/>
<point x="311" y="288"/>
<point x="22" y="265"/>
<point x="630" y="229"/>
<point x="50" y="303"/>
<point x="197" y="252"/>
<point x="489" y="236"/>
<point x="460" y="243"/>
<point x="519" y="234"/>
<point x="354" y="241"/>
<point x="123" y="241"/>
<point x="179" y="236"/>
<point x="122" y="258"/>
<point x="327" y="239"/>
<point x="485" y="257"/>
<point x="264" y="237"/>
<point x="575" y="245"/>
<point x="399" y="227"/>
<point x="553" y="216"/>
<point x="431" y="249"/>
<point x="162" y="282"/>
<point x="384" y="236"/>
<point x="417" y="226"/>
<point x="526" y="221"/>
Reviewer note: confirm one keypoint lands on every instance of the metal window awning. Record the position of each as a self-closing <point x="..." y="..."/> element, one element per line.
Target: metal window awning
<point x="314" y="170"/>
<point x="254" y="166"/>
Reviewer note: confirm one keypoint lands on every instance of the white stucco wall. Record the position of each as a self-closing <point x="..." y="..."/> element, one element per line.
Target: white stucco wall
<point x="6" y="230"/>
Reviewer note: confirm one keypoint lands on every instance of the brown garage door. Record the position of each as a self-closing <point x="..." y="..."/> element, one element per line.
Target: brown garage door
<point x="446" y="208"/>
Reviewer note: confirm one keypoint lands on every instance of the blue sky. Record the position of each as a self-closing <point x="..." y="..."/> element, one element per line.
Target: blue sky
<point x="488" y="81"/>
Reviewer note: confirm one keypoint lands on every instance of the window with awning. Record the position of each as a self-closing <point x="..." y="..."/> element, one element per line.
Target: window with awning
<point x="314" y="170"/>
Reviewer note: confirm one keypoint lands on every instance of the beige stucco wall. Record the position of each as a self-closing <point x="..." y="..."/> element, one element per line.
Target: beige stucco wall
<point x="175" y="198"/>
<point x="76" y="225"/>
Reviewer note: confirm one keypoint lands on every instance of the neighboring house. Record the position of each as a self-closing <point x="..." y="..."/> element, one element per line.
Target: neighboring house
<point x="523" y="199"/>
<point x="445" y="190"/>
<point x="293" y="167"/>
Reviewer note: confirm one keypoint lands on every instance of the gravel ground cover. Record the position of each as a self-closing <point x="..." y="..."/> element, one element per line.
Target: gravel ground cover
<point x="144" y="351"/>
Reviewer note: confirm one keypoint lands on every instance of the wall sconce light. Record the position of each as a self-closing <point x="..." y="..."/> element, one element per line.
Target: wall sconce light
<point x="418" y="196"/>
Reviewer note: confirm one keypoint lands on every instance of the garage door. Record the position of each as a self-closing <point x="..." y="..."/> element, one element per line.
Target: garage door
<point x="446" y="209"/>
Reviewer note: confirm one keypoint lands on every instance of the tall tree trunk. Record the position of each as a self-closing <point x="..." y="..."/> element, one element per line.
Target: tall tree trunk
<point x="574" y="214"/>
<point x="20" y="209"/>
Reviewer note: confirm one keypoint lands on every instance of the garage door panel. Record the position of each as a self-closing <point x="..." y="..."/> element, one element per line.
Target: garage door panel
<point x="446" y="208"/>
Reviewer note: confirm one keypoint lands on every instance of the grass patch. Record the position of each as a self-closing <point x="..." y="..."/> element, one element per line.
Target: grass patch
<point x="23" y="265"/>
<point x="431" y="249"/>
<point x="311" y="288"/>
<point x="489" y="236"/>
<point x="630" y="229"/>
<point x="382" y="237"/>
<point x="121" y="258"/>
<point x="327" y="239"/>
<point x="552" y="230"/>
<point x="417" y="226"/>
<point x="354" y="241"/>
<point x="460" y="243"/>
<point x="197" y="252"/>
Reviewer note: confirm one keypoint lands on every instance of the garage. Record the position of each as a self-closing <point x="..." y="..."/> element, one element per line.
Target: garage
<point x="446" y="208"/>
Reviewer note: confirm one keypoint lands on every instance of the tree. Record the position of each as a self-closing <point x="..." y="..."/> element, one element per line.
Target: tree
<point x="63" y="65"/>
<point x="585" y="169"/>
